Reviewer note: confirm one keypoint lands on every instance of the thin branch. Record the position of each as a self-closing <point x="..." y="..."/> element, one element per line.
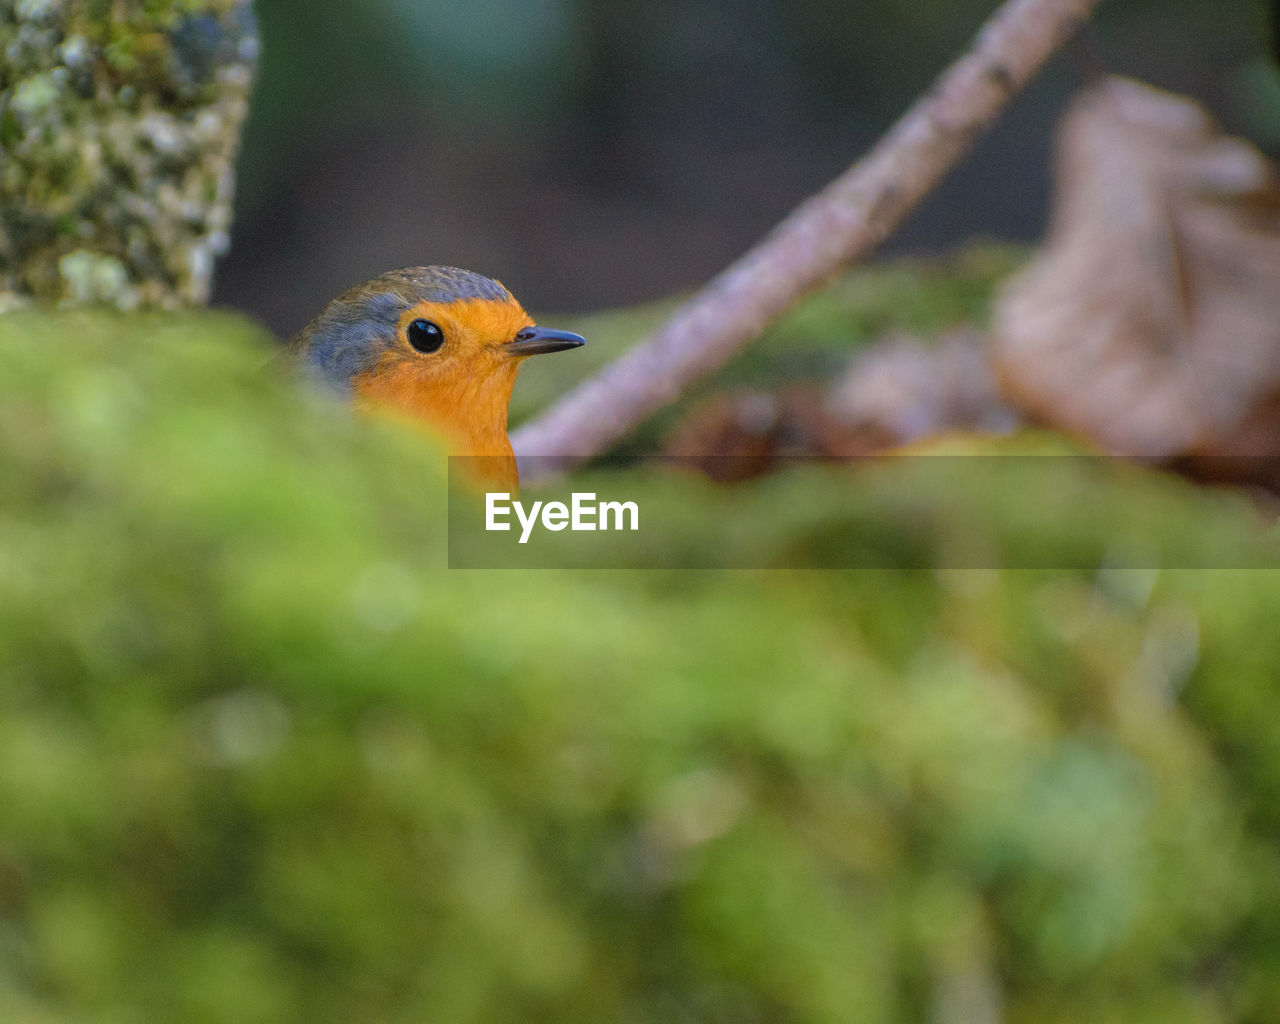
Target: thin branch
<point x="842" y="223"/>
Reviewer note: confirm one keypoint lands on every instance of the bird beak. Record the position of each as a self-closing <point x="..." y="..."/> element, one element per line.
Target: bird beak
<point x="537" y="341"/>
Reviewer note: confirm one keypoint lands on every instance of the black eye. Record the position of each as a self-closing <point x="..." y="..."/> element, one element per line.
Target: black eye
<point x="425" y="336"/>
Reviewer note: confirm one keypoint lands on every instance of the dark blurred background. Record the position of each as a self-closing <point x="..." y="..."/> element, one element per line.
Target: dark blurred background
<point x="593" y="154"/>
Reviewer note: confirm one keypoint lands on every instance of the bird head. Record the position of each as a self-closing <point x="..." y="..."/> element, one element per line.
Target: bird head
<point x="439" y="344"/>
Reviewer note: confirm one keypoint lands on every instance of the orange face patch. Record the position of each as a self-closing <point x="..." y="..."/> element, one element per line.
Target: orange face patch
<point x="462" y="388"/>
<point x="469" y="325"/>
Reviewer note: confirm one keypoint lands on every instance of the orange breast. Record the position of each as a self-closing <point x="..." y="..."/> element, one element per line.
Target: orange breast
<point x="471" y="414"/>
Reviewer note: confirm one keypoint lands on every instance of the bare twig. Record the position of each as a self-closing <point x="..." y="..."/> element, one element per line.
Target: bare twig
<point x="842" y="223"/>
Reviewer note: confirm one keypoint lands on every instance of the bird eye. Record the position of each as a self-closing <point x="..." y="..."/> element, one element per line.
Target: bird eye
<point x="424" y="335"/>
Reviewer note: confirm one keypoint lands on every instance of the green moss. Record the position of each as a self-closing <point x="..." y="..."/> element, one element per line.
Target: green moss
<point x="148" y="96"/>
<point x="263" y="758"/>
<point x="90" y="278"/>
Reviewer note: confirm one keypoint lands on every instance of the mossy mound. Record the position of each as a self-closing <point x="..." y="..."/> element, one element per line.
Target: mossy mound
<point x="262" y="758"/>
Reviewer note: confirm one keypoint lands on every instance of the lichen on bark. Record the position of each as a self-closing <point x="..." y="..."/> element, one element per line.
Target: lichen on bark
<point x="119" y="125"/>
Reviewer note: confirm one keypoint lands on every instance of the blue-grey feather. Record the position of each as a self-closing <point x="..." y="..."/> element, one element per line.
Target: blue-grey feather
<point x="354" y="330"/>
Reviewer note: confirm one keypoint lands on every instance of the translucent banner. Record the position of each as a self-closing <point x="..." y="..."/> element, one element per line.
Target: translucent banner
<point x="902" y="511"/>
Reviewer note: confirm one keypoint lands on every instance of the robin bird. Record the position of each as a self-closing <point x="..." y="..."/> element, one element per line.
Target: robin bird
<point x="439" y="344"/>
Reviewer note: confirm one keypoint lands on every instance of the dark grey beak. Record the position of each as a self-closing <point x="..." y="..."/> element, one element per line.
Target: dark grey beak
<point x="537" y="341"/>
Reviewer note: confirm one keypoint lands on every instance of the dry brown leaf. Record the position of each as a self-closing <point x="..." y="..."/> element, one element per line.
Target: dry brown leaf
<point x="1150" y="321"/>
<point x="739" y="435"/>
<point x="898" y="391"/>
<point x="906" y="389"/>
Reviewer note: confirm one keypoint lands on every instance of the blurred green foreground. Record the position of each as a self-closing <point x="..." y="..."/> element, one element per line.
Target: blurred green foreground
<point x="263" y="759"/>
